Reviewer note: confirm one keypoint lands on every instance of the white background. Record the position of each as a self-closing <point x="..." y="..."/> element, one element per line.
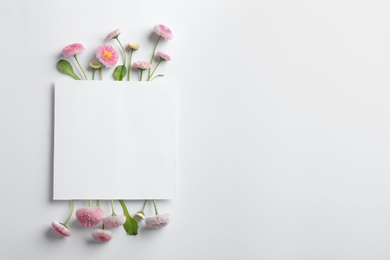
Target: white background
<point x="283" y="127"/>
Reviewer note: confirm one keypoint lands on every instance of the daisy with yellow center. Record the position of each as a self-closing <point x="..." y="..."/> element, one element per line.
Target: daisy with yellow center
<point x="107" y="55"/>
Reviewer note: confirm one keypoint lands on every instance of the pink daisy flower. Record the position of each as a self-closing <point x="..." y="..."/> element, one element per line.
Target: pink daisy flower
<point x="61" y="228"/>
<point x="89" y="216"/>
<point x="113" y="34"/>
<point x="141" y="65"/>
<point x="73" y="49"/>
<point x="102" y="235"/>
<point x="163" y="56"/>
<point x="157" y="221"/>
<point x="163" y="31"/>
<point x="107" y="55"/>
<point x="114" y="221"/>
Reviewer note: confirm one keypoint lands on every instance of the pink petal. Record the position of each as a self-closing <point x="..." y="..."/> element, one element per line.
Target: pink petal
<point x="102" y="235"/>
<point x="89" y="216"/>
<point x="60" y="228"/>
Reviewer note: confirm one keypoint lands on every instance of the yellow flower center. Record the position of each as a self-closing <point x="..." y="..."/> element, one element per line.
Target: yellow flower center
<point x="107" y="54"/>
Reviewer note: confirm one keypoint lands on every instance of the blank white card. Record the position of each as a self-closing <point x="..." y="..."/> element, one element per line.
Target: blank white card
<point x="114" y="140"/>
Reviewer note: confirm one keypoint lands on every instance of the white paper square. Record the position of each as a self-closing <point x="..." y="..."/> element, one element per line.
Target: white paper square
<point x="114" y="140"/>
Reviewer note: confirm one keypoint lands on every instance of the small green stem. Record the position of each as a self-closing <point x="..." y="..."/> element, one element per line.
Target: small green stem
<point x="159" y="75"/>
<point x="143" y="207"/>
<point x="123" y="51"/>
<point x="82" y="70"/>
<point x="98" y="203"/>
<point x="140" y="75"/>
<point x="129" y="68"/>
<point x="89" y="203"/>
<point x="71" y="213"/>
<point x="155" y="207"/>
<point x="112" y="208"/>
<point x="93" y="74"/>
<point x="154" y="53"/>
<point x="151" y="75"/>
<point x="101" y="73"/>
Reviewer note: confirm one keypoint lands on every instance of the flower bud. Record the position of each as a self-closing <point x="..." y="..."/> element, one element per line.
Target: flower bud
<point x="95" y="65"/>
<point x="140" y="215"/>
<point x="133" y="46"/>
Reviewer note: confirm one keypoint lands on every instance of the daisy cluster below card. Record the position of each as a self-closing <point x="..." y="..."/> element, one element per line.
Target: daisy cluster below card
<point x="114" y="140"/>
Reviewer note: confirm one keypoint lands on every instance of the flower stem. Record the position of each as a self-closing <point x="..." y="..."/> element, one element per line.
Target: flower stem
<point x="112" y="208"/>
<point x="89" y="203"/>
<point x="98" y="203"/>
<point x="123" y="51"/>
<point x="140" y="75"/>
<point x="154" y="53"/>
<point x="151" y="75"/>
<point x="155" y="207"/>
<point x="101" y="73"/>
<point x="93" y="74"/>
<point x="82" y="70"/>
<point x="159" y="75"/>
<point x="71" y="213"/>
<point x="143" y="207"/>
<point x="129" y="69"/>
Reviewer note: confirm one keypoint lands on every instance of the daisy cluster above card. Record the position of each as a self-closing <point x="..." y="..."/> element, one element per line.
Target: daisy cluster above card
<point x="107" y="55"/>
<point x="114" y="140"/>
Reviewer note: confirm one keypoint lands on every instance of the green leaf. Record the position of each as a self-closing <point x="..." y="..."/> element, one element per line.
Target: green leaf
<point x="131" y="225"/>
<point x="120" y="72"/>
<point x="65" y="67"/>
